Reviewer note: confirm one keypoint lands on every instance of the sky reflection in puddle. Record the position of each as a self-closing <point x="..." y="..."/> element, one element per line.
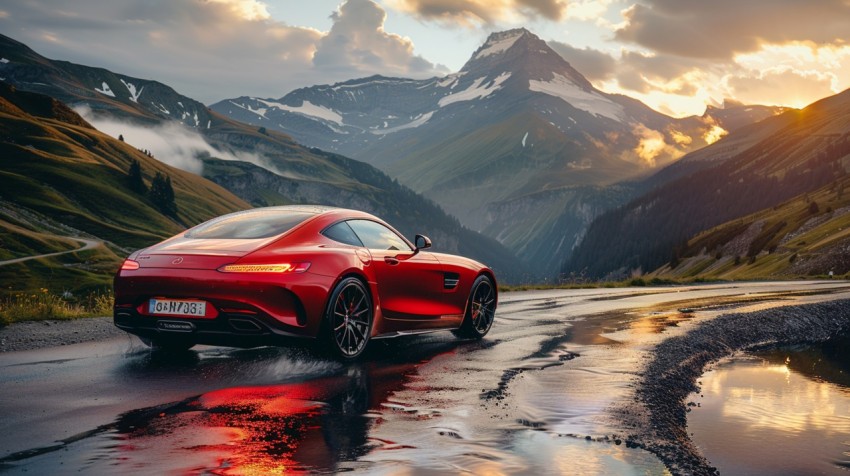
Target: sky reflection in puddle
<point x="778" y="412"/>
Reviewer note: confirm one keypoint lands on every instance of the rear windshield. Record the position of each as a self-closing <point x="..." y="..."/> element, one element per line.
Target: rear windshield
<point x="250" y="224"/>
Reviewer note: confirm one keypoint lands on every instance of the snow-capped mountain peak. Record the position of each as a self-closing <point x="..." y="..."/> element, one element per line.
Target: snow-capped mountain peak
<point x="525" y="55"/>
<point x="499" y="42"/>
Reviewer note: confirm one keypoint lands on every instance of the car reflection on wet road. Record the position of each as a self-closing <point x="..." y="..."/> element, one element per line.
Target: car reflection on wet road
<point x="535" y="396"/>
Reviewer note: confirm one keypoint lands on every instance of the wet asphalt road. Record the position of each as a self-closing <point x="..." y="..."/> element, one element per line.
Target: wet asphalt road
<point x="535" y="396"/>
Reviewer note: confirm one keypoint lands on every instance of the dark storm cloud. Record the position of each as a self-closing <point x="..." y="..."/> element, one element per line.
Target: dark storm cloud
<point x="719" y="29"/>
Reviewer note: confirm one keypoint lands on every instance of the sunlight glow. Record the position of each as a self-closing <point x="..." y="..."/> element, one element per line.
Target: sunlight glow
<point x="714" y="134"/>
<point x="251" y="10"/>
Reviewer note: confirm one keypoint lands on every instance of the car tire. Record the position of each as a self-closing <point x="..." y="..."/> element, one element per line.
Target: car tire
<point x="167" y="345"/>
<point x="480" y="310"/>
<point x="348" y="320"/>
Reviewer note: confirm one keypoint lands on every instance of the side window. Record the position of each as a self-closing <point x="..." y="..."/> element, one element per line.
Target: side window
<point x="378" y="237"/>
<point x="342" y="233"/>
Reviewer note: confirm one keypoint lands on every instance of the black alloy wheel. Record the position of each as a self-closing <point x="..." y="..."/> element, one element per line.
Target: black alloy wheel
<point x="480" y="311"/>
<point x="349" y="318"/>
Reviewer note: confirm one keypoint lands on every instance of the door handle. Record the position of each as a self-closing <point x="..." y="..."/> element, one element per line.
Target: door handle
<point x="390" y="260"/>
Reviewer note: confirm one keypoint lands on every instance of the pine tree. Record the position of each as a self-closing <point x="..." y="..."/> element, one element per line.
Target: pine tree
<point x="162" y="194"/>
<point x="121" y="137"/>
<point x="137" y="182"/>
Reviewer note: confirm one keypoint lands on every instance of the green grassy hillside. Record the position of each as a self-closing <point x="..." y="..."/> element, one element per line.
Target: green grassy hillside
<point x="60" y="177"/>
<point x="806" y="236"/>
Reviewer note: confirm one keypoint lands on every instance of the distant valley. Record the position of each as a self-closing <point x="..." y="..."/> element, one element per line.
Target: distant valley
<point x="738" y="202"/>
<point x="517" y="144"/>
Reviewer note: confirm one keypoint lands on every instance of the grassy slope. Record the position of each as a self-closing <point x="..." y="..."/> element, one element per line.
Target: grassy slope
<point x="786" y="241"/>
<point x="73" y="179"/>
<point x="803" y="152"/>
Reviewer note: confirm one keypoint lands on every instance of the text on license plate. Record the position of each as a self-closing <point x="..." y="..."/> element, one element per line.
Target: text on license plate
<point x="176" y="307"/>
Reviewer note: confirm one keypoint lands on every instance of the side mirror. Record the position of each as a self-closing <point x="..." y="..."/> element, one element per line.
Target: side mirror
<point x="421" y="242"/>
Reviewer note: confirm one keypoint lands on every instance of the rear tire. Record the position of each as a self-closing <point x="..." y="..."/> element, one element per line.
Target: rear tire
<point x="348" y="320"/>
<point x="167" y="345"/>
<point x="480" y="310"/>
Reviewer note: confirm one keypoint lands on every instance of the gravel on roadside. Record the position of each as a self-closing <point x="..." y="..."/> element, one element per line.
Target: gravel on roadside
<point x="29" y="335"/>
<point x="658" y="415"/>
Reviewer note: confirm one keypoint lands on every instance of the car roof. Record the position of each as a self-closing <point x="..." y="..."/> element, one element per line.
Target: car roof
<point x="322" y="214"/>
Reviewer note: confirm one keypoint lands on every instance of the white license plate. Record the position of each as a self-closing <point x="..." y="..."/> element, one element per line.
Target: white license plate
<point x="177" y="307"/>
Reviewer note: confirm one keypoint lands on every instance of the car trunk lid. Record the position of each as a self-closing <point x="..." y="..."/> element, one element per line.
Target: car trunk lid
<point x="193" y="253"/>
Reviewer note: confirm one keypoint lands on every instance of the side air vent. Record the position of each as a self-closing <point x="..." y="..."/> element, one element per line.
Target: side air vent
<point x="450" y="280"/>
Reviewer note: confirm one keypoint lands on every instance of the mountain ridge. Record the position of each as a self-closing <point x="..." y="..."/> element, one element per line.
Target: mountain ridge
<point x="795" y="153"/>
<point x="517" y="119"/>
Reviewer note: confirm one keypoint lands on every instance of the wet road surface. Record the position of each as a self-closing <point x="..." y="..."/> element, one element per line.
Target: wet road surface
<point x="534" y="397"/>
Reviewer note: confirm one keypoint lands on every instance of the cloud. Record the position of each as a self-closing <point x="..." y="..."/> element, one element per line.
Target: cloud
<point x="358" y="43"/>
<point x="797" y="88"/>
<point x="652" y="145"/>
<point x="170" y="142"/>
<point x="214" y="49"/>
<point x="719" y="29"/>
<point x="586" y="10"/>
<point x="714" y="134"/>
<point x="791" y="74"/>
<point x="476" y="13"/>
<point x="246" y="9"/>
<point x="593" y="64"/>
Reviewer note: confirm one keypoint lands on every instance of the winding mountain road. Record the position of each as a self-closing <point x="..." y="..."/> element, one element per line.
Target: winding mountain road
<point x="87" y="245"/>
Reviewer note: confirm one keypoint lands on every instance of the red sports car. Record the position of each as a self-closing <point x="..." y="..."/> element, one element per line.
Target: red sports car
<point x="261" y="276"/>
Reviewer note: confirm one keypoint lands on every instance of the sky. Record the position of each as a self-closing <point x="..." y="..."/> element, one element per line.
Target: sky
<point x="677" y="56"/>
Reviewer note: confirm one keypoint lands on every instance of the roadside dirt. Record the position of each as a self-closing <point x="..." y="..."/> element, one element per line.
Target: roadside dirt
<point x="39" y="334"/>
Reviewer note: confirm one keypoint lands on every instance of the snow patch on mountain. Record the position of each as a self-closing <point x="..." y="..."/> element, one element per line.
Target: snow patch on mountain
<point x="418" y="121"/>
<point x="162" y="108"/>
<point x="308" y="109"/>
<point x="498" y="46"/>
<point x="475" y="91"/>
<point x="104" y="89"/>
<point x="4" y="60"/>
<point x="451" y="80"/>
<point x="524" y="138"/>
<point x="134" y="95"/>
<point x="561" y="87"/>
<point x="260" y="111"/>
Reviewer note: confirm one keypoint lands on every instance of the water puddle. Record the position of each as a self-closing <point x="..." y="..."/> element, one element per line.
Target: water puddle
<point x="785" y="411"/>
<point x="540" y="395"/>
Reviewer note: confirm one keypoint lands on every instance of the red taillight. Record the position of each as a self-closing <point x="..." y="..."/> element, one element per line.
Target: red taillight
<point x="265" y="268"/>
<point x="129" y="265"/>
